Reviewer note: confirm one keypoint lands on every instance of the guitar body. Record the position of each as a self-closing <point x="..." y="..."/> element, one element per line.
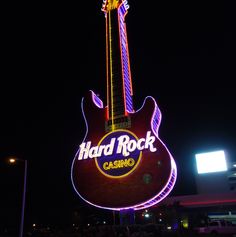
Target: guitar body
<point x="140" y="187"/>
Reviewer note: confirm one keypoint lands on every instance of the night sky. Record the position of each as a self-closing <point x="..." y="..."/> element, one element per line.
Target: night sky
<point x="182" y="54"/>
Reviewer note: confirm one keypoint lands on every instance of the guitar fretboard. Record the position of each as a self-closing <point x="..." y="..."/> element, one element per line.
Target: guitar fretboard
<point x="119" y="88"/>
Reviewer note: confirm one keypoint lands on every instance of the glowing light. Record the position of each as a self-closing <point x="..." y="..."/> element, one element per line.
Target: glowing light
<point x="12" y="160"/>
<point x="185" y="224"/>
<point x="155" y="121"/>
<point x="211" y="162"/>
<point x="146" y="215"/>
<point x="208" y="202"/>
<point x="166" y="189"/>
<point x="126" y="72"/>
<point x="118" y="145"/>
<point x="120" y="158"/>
<point x="96" y="100"/>
<point x="113" y="4"/>
<point x="111" y="75"/>
<point x="127" y="92"/>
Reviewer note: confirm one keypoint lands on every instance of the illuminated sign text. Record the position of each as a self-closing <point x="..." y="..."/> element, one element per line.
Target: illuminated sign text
<point x="119" y="164"/>
<point x="124" y="145"/>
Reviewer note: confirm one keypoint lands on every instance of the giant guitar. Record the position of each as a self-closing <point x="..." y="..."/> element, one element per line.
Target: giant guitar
<point x="121" y="163"/>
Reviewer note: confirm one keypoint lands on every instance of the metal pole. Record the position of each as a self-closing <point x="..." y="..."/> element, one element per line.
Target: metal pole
<point x="127" y="217"/>
<point x="23" y="200"/>
<point x="114" y="217"/>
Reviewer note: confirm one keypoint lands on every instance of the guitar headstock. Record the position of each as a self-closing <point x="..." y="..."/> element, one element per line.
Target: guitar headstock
<point x="109" y="5"/>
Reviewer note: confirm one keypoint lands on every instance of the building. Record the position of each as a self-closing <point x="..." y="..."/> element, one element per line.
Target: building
<point x="215" y="197"/>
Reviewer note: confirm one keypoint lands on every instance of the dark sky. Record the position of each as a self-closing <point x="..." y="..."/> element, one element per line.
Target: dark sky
<point x="182" y="54"/>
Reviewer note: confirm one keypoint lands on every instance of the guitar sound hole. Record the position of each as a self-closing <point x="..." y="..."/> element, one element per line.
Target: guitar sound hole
<point x="147" y="178"/>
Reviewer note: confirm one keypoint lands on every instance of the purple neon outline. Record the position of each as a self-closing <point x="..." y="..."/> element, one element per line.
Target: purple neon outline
<point x="96" y="100"/>
<point x="157" y="116"/>
<point x="156" y="198"/>
<point x="153" y="200"/>
<point x="76" y="155"/>
<point x="122" y="10"/>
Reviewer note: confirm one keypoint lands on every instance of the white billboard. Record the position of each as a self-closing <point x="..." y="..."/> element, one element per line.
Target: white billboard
<point x="211" y="162"/>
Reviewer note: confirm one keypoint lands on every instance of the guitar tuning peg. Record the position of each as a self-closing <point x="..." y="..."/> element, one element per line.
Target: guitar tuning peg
<point x="126" y="5"/>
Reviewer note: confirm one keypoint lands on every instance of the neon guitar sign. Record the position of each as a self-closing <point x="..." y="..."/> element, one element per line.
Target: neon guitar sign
<point x="121" y="163"/>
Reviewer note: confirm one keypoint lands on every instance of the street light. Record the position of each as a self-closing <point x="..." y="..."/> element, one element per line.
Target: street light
<point x="12" y="161"/>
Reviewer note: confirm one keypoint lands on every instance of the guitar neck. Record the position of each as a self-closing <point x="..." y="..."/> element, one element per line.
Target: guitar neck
<point x="119" y="86"/>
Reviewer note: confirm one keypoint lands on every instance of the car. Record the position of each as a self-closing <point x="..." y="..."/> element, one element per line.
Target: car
<point x="217" y="227"/>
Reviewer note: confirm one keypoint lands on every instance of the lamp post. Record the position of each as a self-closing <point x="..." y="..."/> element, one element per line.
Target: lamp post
<point x="12" y="161"/>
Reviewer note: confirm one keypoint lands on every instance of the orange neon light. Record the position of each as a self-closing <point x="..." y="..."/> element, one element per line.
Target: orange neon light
<point x="107" y="71"/>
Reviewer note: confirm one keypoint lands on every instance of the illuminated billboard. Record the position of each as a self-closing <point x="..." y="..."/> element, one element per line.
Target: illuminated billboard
<point x="211" y="162"/>
<point x="121" y="163"/>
